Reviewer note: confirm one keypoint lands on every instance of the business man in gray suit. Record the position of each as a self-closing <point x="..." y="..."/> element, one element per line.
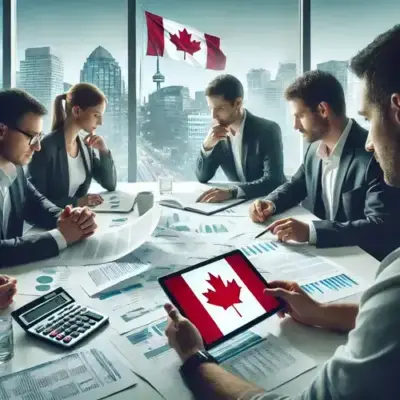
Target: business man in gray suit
<point x="21" y="122"/>
<point x="342" y="180"/>
<point x="247" y="148"/>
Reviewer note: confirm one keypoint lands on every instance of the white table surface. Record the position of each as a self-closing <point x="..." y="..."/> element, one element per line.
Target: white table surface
<point x="316" y="343"/>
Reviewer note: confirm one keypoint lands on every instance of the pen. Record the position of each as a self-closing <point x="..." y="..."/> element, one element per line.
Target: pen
<point x="262" y="233"/>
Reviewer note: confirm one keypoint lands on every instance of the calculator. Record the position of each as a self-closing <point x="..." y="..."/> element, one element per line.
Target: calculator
<point x="57" y="318"/>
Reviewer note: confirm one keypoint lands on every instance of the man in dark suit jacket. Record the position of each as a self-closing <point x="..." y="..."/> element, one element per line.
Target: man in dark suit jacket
<point x="342" y="181"/>
<point x="246" y="147"/>
<point x="20" y="134"/>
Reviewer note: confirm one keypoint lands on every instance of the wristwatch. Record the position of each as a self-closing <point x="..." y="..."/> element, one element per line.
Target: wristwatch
<point x="189" y="368"/>
<point x="234" y="192"/>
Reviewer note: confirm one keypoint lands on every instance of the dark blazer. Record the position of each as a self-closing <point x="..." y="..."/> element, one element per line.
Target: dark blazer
<point x="366" y="210"/>
<point x="27" y="204"/>
<point x="262" y="158"/>
<point x="49" y="173"/>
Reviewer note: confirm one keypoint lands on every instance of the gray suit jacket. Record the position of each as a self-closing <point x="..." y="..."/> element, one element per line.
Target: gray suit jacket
<point x="27" y="204"/>
<point x="367" y="208"/>
<point x="50" y="175"/>
<point x="262" y="158"/>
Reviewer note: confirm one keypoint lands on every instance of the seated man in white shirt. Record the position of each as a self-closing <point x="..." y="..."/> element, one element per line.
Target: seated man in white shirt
<point x="366" y="366"/>
<point x="247" y="148"/>
<point x="341" y="180"/>
<point x="21" y="123"/>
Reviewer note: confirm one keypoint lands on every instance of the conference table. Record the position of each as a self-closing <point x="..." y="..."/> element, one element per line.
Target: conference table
<point x="316" y="343"/>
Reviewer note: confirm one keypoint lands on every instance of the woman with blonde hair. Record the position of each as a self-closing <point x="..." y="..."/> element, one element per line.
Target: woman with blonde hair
<point x="66" y="164"/>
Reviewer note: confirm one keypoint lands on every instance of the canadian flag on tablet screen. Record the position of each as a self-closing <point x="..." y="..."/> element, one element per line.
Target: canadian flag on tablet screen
<point x="221" y="297"/>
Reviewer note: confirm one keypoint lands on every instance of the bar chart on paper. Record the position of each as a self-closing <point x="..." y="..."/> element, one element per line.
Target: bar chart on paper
<point x="255" y="249"/>
<point x="332" y="287"/>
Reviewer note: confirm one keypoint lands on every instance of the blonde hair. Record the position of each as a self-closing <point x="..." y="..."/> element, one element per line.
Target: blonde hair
<point x="83" y="95"/>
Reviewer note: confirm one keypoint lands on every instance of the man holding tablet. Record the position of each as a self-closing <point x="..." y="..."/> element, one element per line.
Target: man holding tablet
<point x="364" y="368"/>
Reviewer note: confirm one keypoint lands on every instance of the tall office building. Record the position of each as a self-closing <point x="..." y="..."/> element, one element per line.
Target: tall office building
<point x="200" y="101"/>
<point x="286" y="74"/>
<point x="339" y="69"/>
<point x="198" y="126"/>
<point x="257" y="83"/>
<point x="67" y="86"/>
<point x="103" y="71"/>
<point x="166" y="126"/>
<point x="41" y="74"/>
<point x="257" y="80"/>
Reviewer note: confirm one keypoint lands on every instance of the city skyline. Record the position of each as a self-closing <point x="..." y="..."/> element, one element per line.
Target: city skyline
<point x="262" y="50"/>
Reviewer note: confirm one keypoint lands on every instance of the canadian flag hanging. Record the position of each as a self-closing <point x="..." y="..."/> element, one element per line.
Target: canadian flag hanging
<point x="221" y="297"/>
<point x="167" y="38"/>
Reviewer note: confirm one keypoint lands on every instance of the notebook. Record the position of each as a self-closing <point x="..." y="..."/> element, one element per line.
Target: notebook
<point x="187" y="202"/>
<point x="118" y="202"/>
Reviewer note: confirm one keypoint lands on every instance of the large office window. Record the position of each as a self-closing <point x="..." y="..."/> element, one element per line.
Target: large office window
<point x="339" y="29"/>
<point x="61" y="43"/>
<point x="260" y="39"/>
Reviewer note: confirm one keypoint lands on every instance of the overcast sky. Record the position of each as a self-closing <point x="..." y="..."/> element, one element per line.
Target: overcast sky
<point x="254" y="33"/>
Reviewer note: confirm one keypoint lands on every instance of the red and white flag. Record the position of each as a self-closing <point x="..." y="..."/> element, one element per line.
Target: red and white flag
<point x="167" y="38"/>
<point x="221" y="297"/>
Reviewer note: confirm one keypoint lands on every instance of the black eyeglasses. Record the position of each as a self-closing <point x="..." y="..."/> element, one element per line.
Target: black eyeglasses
<point x="33" y="139"/>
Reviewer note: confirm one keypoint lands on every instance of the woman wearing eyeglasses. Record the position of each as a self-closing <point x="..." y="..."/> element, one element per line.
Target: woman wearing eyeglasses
<point x="67" y="162"/>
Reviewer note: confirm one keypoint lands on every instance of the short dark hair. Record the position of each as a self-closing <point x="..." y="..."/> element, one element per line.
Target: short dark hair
<point x="379" y="65"/>
<point x="227" y="86"/>
<point x="315" y="87"/>
<point x="15" y="103"/>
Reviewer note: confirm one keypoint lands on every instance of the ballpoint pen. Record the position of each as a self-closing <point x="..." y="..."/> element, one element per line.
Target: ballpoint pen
<point x="262" y="233"/>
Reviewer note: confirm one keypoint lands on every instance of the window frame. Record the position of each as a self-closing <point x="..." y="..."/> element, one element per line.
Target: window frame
<point x="9" y="65"/>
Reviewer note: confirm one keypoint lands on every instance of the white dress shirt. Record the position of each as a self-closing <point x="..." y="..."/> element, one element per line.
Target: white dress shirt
<point x="330" y="168"/>
<point x="77" y="173"/>
<point x="237" y="150"/>
<point x="5" y="209"/>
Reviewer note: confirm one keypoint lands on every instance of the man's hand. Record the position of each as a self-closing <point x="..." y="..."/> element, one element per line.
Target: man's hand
<point x="215" y="134"/>
<point x="96" y="142"/>
<point x="91" y="200"/>
<point x="182" y="335"/>
<point x="8" y="289"/>
<point x="299" y="305"/>
<point x="261" y="210"/>
<point x="215" y="195"/>
<point x="76" y="224"/>
<point x="290" y="229"/>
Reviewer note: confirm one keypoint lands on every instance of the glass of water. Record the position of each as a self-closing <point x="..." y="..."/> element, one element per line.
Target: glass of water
<point x="6" y="339"/>
<point x="165" y="184"/>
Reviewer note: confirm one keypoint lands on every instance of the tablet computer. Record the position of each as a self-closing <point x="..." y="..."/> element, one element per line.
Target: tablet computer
<point x="222" y="297"/>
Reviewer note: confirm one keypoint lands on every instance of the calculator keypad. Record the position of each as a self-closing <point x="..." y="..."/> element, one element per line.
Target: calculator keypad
<point x="69" y="324"/>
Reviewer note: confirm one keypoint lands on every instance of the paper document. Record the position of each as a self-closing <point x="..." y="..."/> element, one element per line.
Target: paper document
<point x="188" y="202"/>
<point x="99" y="278"/>
<point x="324" y="280"/>
<point x="117" y="201"/>
<point x="268" y="362"/>
<point x="138" y="304"/>
<point x="87" y="374"/>
<point x="111" y="244"/>
<point x="39" y="281"/>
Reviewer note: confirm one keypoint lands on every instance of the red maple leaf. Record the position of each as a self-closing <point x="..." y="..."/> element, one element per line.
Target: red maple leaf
<point x="223" y="295"/>
<point x="184" y="42"/>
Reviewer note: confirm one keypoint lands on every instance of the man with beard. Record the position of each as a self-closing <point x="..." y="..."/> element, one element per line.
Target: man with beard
<point x="247" y="148"/>
<point x="365" y="367"/>
<point x="342" y="181"/>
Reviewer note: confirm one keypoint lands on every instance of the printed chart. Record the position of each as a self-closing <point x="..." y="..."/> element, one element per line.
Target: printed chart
<point x="331" y="286"/>
<point x="256" y="249"/>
